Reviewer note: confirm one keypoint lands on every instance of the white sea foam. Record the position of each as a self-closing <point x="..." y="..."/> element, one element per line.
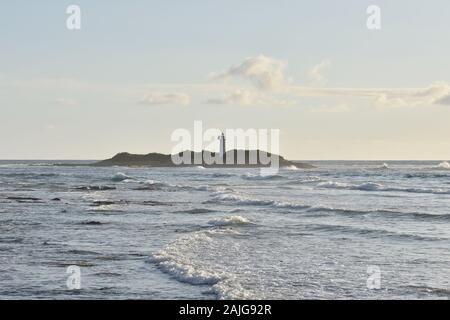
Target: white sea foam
<point x="443" y="165"/>
<point x="251" y="176"/>
<point x="193" y="259"/>
<point x="291" y="167"/>
<point x="120" y="176"/>
<point x="172" y="260"/>
<point x="305" y="180"/>
<point x="157" y="184"/>
<point x="229" y="221"/>
<point x="384" y="166"/>
<point x="368" y="186"/>
<point x="334" y="185"/>
<point x="235" y="198"/>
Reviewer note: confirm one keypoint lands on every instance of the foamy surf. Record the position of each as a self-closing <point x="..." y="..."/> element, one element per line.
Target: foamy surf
<point x="192" y="259"/>
<point x="255" y="239"/>
<point x="120" y="176"/>
<point x="230" y="221"/>
<point x="443" y="165"/>
<point x="251" y="176"/>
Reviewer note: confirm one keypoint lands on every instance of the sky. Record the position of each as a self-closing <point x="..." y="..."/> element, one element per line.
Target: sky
<point x="137" y="71"/>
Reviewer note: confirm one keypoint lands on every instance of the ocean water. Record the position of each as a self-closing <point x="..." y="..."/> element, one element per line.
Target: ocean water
<point x="195" y="233"/>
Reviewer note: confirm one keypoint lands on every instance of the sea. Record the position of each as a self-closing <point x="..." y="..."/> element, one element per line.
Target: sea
<point x="342" y="230"/>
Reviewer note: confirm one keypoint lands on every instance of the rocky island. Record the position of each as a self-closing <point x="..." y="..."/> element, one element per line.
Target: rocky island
<point x="166" y="160"/>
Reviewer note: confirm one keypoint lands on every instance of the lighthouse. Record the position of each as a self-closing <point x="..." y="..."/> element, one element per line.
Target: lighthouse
<point x="222" y="146"/>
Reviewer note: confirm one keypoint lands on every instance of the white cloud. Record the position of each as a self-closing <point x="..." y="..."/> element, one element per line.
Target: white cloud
<point x="316" y="72"/>
<point x="244" y="97"/>
<point x="267" y="75"/>
<point x="166" y="99"/>
<point x="434" y="94"/>
<point x="264" y="72"/>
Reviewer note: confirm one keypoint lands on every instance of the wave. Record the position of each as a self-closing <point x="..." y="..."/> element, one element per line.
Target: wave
<point x="95" y="188"/>
<point x="169" y="260"/>
<point x="305" y="180"/>
<point x="220" y="197"/>
<point x="30" y="175"/>
<point x="237" y="199"/>
<point x="371" y="186"/>
<point x="222" y="175"/>
<point x="91" y="223"/>
<point x="381" y="212"/>
<point x="197" y="211"/>
<point x="24" y="199"/>
<point x="443" y="165"/>
<point x="384" y="166"/>
<point x="291" y="168"/>
<point x="424" y="289"/>
<point x="370" y="232"/>
<point x="425" y="175"/>
<point x="191" y="259"/>
<point x="230" y="221"/>
<point x="250" y="176"/>
<point x="153" y="185"/>
<point x="118" y="177"/>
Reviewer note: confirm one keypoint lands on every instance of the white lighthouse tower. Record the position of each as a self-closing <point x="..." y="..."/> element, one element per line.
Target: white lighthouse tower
<point x="222" y="145"/>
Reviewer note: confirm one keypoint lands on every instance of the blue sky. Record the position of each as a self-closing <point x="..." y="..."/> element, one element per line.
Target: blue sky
<point x="137" y="71"/>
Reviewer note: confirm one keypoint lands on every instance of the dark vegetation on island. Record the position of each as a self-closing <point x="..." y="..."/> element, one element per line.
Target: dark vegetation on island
<point x="165" y="160"/>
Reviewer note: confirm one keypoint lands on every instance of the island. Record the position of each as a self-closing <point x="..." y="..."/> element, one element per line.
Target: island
<point x="165" y="160"/>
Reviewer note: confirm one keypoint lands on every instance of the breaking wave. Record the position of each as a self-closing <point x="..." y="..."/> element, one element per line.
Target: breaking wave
<point x="384" y="166"/>
<point x="235" y="198"/>
<point x="190" y="259"/>
<point x="224" y="197"/>
<point x="120" y="177"/>
<point x="153" y="185"/>
<point x="292" y="168"/>
<point x="230" y="221"/>
<point x="443" y="165"/>
<point x="305" y="180"/>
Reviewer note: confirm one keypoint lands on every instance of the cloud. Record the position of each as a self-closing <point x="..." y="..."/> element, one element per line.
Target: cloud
<point x="434" y="94"/>
<point x="265" y="73"/>
<point x="316" y="72"/>
<point x="241" y="97"/>
<point x="244" y="97"/>
<point x="155" y="99"/>
<point x="339" y="108"/>
<point x="445" y="100"/>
